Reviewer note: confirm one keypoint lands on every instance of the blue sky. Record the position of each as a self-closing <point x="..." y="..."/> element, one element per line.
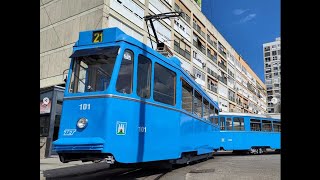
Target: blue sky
<point x="246" y="25"/>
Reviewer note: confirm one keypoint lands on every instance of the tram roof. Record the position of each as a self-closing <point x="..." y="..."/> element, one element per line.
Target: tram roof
<point x="246" y="114"/>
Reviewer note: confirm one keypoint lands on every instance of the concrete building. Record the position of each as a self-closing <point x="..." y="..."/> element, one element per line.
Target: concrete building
<point x="204" y="53"/>
<point x="272" y="71"/>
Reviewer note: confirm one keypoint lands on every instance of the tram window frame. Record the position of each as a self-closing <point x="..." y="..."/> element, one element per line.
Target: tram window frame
<point x="213" y="117"/>
<point x="205" y="108"/>
<point x="144" y="80"/>
<point x="197" y="97"/>
<point x="255" y="121"/>
<point x="264" y="123"/>
<point x="222" y="125"/>
<point x="276" y="123"/>
<point x="228" y="127"/>
<point x="186" y="87"/>
<point x="121" y="80"/>
<point x="93" y="72"/>
<point x="239" y="120"/>
<point x="158" y="95"/>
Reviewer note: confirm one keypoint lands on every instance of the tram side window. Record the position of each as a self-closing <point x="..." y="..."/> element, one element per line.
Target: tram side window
<point x="266" y="125"/>
<point x="222" y="121"/>
<point x="125" y="76"/>
<point x="186" y="96"/>
<point x="164" y="85"/>
<point x="238" y="124"/>
<point x="276" y="127"/>
<point x="216" y="121"/>
<point x="197" y="104"/>
<point x="229" y="124"/>
<point x="255" y="125"/>
<point x="144" y="77"/>
<point x="205" y="109"/>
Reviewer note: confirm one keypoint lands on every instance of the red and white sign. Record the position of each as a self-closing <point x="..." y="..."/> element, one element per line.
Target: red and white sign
<point x="45" y="106"/>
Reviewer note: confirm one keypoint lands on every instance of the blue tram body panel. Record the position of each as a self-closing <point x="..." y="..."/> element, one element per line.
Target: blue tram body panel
<point x="247" y="139"/>
<point x="131" y="128"/>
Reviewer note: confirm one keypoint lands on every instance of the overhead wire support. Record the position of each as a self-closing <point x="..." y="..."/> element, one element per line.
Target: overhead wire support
<point x="157" y="17"/>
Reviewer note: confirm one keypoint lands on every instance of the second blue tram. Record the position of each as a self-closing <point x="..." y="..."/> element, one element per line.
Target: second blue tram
<point x="253" y="133"/>
<point x="127" y="103"/>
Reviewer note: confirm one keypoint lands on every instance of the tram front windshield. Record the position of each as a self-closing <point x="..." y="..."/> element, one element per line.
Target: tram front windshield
<point x="92" y="70"/>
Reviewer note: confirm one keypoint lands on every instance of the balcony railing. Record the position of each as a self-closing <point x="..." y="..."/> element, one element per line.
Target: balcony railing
<point x="198" y="29"/>
<point x="223" y="80"/>
<point x="231" y="98"/>
<point x="212" y="73"/>
<point x="212" y="88"/>
<point x="203" y="50"/>
<point x="224" y="67"/>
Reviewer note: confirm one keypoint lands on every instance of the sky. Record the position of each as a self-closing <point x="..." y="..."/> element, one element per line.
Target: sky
<point x="246" y="25"/>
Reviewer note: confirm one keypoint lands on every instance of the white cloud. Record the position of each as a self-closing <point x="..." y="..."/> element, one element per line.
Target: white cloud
<point x="248" y="18"/>
<point x="239" y="11"/>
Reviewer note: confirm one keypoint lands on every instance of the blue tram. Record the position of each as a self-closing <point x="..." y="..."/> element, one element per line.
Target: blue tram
<point x="253" y="133"/>
<point x="127" y="103"/>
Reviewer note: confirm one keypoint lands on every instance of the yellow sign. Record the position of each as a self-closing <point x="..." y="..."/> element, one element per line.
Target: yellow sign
<point x="97" y="37"/>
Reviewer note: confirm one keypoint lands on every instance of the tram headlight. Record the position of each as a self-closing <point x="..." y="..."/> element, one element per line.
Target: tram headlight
<point x="82" y="123"/>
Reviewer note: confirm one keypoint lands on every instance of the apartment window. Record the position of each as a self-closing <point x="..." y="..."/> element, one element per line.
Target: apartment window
<point x="231" y="95"/>
<point x="267" y="59"/>
<point x="275" y="58"/>
<point x="182" y="48"/>
<point x="212" y="85"/>
<point x="230" y="73"/>
<point x="267" y="48"/>
<point x="222" y="50"/>
<point x="274" y="53"/>
<point x="199" y="44"/>
<point x="187" y="96"/>
<point x="267" y="54"/>
<point x="164" y="85"/>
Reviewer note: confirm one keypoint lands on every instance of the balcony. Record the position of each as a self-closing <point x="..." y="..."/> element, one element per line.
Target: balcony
<point x="212" y="57"/>
<point x="221" y="51"/>
<point x="222" y="65"/>
<point x="231" y="98"/>
<point x="212" y="73"/>
<point x="202" y="49"/>
<point x="223" y="80"/>
<point x="213" y="88"/>
<point x="198" y="29"/>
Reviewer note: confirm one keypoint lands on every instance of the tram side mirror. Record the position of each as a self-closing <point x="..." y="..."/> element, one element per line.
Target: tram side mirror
<point x="65" y="79"/>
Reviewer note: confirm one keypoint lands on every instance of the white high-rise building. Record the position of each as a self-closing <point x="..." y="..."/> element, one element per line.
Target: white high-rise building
<point x="272" y="72"/>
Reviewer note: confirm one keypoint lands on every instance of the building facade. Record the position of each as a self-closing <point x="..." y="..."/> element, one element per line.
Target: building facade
<point x="203" y="52"/>
<point x="272" y="72"/>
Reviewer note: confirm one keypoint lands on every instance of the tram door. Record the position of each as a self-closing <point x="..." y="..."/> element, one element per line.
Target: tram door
<point x="225" y="134"/>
